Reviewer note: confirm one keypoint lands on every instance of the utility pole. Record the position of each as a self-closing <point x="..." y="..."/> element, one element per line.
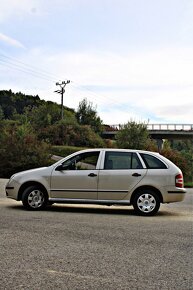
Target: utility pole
<point x="62" y="91"/>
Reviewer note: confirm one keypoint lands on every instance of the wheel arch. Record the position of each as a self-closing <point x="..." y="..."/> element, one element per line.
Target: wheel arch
<point x="30" y="183"/>
<point x="146" y="187"/>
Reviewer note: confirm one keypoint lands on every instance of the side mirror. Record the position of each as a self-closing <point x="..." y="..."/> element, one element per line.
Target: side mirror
<point x="71" y="166"/>
<point x="59" y="167"/>
<point x="62" y="167"/>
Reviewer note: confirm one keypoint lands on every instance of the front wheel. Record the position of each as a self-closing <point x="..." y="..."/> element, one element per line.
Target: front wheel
<point x="146" y="202"/>
<point x="34" y="198"/>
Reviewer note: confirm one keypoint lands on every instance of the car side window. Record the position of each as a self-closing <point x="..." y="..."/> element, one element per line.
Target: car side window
<point x="83" y="161"/>
<point x="121" y="160"/>
<point x="152" y="162"/>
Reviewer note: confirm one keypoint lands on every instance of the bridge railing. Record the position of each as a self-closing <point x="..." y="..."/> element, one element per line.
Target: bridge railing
<point x="170" y="127"/>
<point x="156" y="127"/>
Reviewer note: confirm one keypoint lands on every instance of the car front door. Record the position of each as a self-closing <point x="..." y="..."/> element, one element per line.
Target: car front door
<point x="77" y="177"/>
<point x="121" y="172"/>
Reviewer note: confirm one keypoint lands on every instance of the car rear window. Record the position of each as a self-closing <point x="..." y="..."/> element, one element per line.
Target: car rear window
<point x="152" y="162"/>
<point x="122" y="160"/>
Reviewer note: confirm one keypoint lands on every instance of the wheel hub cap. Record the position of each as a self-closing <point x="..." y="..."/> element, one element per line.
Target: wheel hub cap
<point x="36" y="199"/>
<point x="146" y="202"/>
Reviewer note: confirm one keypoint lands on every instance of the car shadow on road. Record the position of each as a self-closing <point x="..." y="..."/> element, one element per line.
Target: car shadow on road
<point x="85" y="209"/>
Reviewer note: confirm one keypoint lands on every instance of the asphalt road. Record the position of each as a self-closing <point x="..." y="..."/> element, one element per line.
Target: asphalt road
<point x="95" y="247"/>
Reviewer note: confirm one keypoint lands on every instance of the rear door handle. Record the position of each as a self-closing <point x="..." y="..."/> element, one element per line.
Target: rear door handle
<point x="92" y="175"/>
<point x="136" y="174"/>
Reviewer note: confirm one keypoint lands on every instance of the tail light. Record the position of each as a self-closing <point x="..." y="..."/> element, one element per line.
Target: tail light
<point x="179" y="180"/>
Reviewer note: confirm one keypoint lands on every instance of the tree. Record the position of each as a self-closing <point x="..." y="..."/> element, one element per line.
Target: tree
<point x="134" y="136"/>
<point x="87" y="115"/>
<point x="12" y="103"/>
<point x="1" y="114"/>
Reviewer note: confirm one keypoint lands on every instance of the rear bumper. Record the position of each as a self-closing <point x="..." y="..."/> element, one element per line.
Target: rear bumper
<point x="174" y="195"/>
<point x="177" y="191"/>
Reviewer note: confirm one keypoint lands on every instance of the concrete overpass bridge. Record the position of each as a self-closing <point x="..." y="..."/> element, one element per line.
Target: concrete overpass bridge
<point x="158" y="132"/>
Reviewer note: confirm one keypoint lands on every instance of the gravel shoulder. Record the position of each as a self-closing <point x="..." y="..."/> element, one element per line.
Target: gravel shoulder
<point x="95" y="247"/>
<point x="2" y="187"/>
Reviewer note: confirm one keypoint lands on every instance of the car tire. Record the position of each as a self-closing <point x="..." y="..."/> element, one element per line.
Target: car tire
<point x="34" y="198"/>
<point x="146" y="202"/>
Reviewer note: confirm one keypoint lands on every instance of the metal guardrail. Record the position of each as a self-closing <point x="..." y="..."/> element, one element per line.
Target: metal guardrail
<point x="156" y="127"/>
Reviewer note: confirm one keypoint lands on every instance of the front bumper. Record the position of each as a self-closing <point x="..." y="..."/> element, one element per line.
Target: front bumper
<point x="11" y="189"/>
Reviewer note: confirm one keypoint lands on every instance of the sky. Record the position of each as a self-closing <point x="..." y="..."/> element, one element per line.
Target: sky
<point x="132" y="59"/>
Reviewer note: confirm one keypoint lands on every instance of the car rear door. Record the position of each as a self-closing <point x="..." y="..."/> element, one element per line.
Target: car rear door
<point x="122" y="170"/>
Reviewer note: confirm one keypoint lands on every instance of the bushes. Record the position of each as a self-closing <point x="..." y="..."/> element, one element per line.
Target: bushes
<point x="85" y="136"/>
<point x="64" y="151"/>
<point x="177" y="158"/>
<point x="133" y="136"/>
<point x="63" y="133"/>
<point x="20" y="150"/>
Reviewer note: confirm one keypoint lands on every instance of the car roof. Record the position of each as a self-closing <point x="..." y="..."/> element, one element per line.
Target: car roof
<point x="118" y="150"/>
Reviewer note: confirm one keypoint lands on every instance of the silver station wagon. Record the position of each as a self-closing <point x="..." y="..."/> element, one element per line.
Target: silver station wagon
<point x="101" y="176"/>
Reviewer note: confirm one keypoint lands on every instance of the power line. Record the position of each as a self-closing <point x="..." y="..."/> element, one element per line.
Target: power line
<point x="96" y="95"/>
<point x="34" y="74"/>
<point x="42" y="74"/>
<point x="26" y="67"/>
<point x="39" y="73"/>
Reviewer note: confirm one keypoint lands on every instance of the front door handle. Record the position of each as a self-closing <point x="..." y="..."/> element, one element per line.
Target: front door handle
<point x="92" y="175"/>
<point x="136" y="174"/>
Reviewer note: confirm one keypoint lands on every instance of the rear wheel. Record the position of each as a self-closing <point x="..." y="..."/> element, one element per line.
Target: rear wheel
<point x="34" y="198"/>
<point x="146" y="202"/>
